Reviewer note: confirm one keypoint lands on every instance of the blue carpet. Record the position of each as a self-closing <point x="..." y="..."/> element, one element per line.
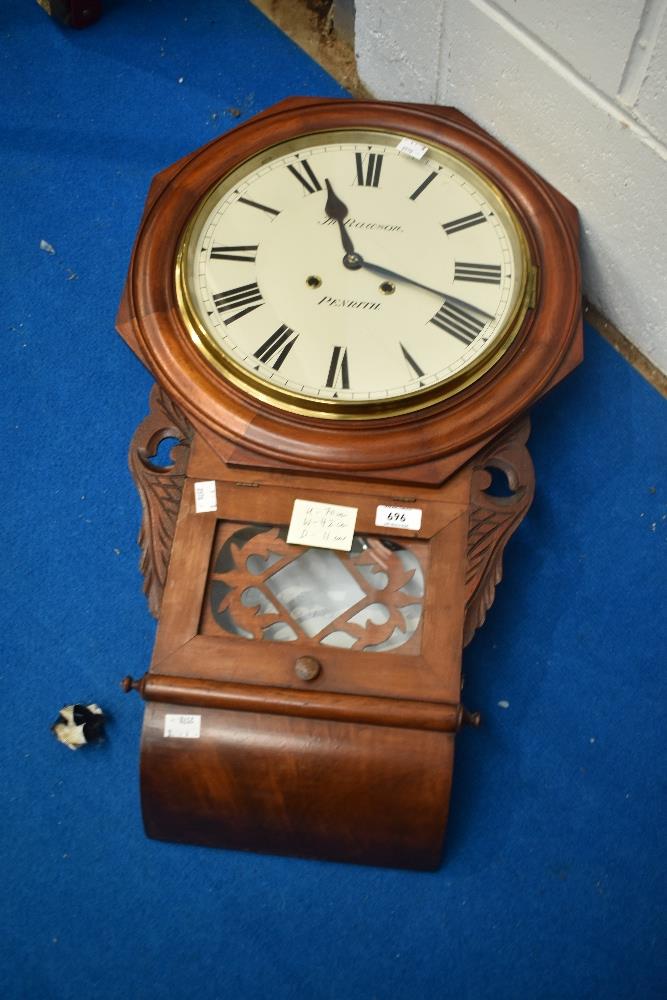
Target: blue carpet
<point x="553" y="884"/>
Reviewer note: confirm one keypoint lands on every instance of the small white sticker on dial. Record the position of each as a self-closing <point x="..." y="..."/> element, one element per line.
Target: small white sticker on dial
<point x="322" y="525"/>
<point x="409" y="518"/>
<point x="182" y="727"/>
<point x="412" y="148"/>
<point x="205" y="497"/>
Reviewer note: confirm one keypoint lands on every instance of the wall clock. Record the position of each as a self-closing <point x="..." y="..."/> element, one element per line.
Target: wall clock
<point x="348" y="308"/>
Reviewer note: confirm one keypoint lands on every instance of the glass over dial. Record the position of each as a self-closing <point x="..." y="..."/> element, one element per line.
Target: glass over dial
<point x="339" y="274"/>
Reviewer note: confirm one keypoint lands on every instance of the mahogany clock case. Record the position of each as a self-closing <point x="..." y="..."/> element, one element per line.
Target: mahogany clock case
<point x="352" y="761"/>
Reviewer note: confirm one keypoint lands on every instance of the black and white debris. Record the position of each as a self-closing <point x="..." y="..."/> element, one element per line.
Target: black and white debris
<point x="78" y="725"/>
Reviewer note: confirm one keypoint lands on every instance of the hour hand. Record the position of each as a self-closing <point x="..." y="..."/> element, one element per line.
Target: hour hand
<point x="337" y="210"/>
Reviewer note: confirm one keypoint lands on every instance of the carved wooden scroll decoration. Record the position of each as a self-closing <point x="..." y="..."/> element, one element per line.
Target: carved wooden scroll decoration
<point x="494" y="518"/>
<point x="160" y="488"/>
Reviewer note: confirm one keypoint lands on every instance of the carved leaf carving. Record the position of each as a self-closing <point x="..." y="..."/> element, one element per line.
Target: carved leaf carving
<point x="159" y="488"/>
<point x="493" y="519"/>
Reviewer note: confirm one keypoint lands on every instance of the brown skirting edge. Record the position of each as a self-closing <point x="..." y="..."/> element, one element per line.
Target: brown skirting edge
<point x="626" y="348"/>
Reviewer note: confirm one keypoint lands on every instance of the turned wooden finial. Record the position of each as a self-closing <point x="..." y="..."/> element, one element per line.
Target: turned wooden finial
<point x="130" y="684"/>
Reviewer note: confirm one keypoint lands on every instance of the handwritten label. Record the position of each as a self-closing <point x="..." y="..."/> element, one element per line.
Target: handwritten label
<point x="182" y="727"/>
<point x="409" y="518"/>
<point x="323" y="525"/>
<point x="412" y="148"/>
<point x="205" y="497"/>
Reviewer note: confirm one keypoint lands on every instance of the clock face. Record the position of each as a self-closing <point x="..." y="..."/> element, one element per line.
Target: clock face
<point x="340" y="275"/>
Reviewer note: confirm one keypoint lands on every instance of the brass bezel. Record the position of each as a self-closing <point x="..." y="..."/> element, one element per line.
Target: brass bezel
<point x="345" y="409"/>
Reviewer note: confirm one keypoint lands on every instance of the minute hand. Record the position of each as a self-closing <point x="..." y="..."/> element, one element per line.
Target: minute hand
<point x="427" y="288"/>
<point x="368" y="266"/>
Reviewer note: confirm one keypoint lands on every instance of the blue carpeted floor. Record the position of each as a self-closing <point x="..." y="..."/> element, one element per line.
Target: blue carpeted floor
<point x="553" y="884"/>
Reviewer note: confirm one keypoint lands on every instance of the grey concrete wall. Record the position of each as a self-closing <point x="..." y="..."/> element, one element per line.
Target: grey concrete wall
<point x="577" y="90"/>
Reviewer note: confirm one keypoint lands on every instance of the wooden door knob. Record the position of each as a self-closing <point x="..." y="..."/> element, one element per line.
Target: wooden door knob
<point x="307" y="668"/>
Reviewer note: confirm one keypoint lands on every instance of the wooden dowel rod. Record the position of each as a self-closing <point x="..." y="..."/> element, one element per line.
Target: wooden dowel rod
<point x="375" y="711"/>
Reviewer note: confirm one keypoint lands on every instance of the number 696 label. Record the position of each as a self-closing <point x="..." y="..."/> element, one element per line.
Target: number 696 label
<point x="409" y="518"/>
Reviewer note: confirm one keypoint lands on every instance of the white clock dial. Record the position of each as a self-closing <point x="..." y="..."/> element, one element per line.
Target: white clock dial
<point x="335" y="270"/>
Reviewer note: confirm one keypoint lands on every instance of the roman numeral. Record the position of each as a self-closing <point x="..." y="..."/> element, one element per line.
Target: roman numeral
<point x="424" y="184"/>
<point x="460" y="319"/>
<point x="245" y="298"/>
<point x="310" y="181"/>
<point x="486" y="274"/>
<point x="257" y="204"/>
<point x="412" y="364"/>
<point x="234" y="253"/>
<point x="279" y="343"/>
<point x="456" y="225"/>
<point x="338" y="377"/>
<point x="371" y="176"/>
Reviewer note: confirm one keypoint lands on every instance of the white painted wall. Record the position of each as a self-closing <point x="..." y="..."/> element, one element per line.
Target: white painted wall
<point x="579" y="91"/>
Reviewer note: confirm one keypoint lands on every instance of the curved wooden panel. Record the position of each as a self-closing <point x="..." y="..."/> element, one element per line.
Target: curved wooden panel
<point x="306" y="787"/>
